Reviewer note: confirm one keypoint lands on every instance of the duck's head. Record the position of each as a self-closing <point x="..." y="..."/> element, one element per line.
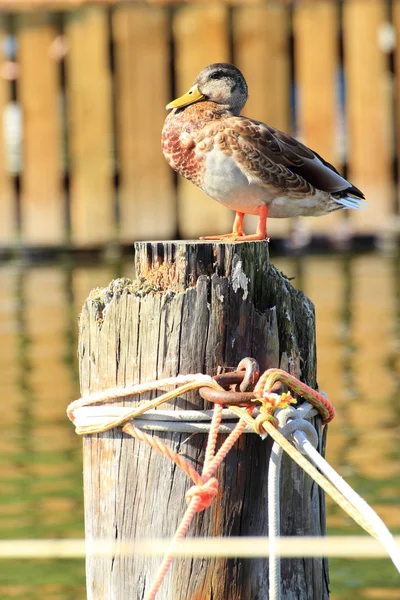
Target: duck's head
<point x="221" y="83"/>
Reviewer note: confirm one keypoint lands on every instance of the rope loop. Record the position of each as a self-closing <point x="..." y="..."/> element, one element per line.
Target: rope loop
<point x="206" y="492"/>
<point x="259" y="421"/>
<point x="268" y="379"/>
<point x="300" y="424"/>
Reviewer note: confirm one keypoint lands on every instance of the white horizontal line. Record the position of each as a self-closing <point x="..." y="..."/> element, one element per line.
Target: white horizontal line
<point x="244" y="547"/>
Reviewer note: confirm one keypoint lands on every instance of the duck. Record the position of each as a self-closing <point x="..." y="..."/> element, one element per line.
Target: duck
<point x="248" y="166"/>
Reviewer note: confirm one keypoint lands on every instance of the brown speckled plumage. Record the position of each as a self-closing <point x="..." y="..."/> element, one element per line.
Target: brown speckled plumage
<point x="245" y="164"/>
<point x="187" y="133"/>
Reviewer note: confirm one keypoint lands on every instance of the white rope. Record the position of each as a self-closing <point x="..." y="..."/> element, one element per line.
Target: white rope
<point x="274" y="521"/>
<point x="178" y="421"/>
<point x="292" y="424"/>
<point x="274" y="470"/>
<point x="383" y="533"/>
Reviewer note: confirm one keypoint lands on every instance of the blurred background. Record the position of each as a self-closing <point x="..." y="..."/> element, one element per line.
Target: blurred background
<point x="82" y="93"/>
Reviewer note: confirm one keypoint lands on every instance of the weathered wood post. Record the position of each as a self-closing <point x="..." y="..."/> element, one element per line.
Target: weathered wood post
<point x="194" y="307"/>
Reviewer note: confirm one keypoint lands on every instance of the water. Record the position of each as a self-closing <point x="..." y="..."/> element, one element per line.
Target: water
<point x="357" y="301"/>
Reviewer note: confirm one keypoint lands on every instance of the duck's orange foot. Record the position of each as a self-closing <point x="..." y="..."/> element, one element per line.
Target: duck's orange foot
<point x="236" y="237"/>
<point x="254" y="236"/>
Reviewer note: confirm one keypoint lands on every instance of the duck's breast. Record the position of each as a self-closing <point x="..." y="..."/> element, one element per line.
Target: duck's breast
<point x="224" y="181"/>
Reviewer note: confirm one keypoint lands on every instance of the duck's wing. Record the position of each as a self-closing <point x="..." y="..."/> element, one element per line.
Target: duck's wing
<point x="270" y="157"/>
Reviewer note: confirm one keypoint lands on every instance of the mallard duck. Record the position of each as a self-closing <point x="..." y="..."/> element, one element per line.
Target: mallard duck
<point x="247" y="165"/>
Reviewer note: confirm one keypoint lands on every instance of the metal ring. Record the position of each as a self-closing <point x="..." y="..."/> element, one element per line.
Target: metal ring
<point x="226" y="397"/>
<point x="251" y="370"/>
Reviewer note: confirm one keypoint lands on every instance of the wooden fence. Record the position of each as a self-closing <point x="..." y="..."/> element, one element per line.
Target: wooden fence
<point x="82" y="96"/>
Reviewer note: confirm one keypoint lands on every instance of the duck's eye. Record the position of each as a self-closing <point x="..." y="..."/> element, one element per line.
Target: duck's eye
<point x="217" y="75"/>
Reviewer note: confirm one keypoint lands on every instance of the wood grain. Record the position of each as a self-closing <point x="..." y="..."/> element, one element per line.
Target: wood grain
<point x="212" y="306"/>
<point x="90" y="127"/>
<point x="42" y="198"/>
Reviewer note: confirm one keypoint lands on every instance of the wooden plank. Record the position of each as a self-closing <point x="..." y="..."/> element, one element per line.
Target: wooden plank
<point x="42" y="200"/>
<point x="396" y="50"/>
<point x="147" y="196"/>
<point x="90" y="127"/>
<point x="201" y="38"/>
<point x="261" y="43"/>
<point x="316" y="61"/>
<point x="136" y="337"/>
<point x="8" y="224"/>
<point x="368" y="112"/>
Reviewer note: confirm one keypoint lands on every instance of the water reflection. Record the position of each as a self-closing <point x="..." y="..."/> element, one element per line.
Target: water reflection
<point x="357" y="301"/>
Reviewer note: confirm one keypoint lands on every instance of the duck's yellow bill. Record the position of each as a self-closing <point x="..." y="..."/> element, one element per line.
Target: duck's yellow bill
<point x="193" y="95"/>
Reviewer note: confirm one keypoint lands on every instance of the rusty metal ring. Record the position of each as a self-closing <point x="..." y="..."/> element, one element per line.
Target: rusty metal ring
<point x="226" y="397"/>
<point x="226" y="380"/>
<point x="251" y="370"/>
<point x="244" y="378"/>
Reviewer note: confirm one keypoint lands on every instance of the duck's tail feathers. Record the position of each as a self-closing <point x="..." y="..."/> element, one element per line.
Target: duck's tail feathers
<point x="351" y="202"/>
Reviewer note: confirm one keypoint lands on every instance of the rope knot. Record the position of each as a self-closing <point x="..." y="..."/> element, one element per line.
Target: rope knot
<point x="269" y="403"/>
<point x="206" y="492"/>
<point x="261" y="419"/>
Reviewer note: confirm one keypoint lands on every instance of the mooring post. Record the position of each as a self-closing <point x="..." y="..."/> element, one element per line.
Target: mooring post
<point x="194" y="307"/>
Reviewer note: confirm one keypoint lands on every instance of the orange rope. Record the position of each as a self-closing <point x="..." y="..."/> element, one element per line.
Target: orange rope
<point x="322" y="404"/>
<point x="212" y="435"/>
<point x="200" y="495"/>
<point x="156" y="443"/>
<point x="168" y="558"/>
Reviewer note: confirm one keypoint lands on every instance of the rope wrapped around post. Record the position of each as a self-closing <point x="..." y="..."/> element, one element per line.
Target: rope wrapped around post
<point x="256" y="403"/>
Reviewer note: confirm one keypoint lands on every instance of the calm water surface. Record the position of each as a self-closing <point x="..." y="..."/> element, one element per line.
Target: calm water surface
<point x="357" y="303"/>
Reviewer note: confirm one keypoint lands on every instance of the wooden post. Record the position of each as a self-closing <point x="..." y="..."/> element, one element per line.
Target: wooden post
<point x="194" y="307"/>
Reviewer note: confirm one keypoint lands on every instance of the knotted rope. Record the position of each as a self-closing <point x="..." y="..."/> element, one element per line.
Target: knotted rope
<point x="199" y="496"/>
<point x="205" y="488"/>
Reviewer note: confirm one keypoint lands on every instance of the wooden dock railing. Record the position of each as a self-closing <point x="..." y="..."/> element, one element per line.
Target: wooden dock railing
<point x="83" y="88"/>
